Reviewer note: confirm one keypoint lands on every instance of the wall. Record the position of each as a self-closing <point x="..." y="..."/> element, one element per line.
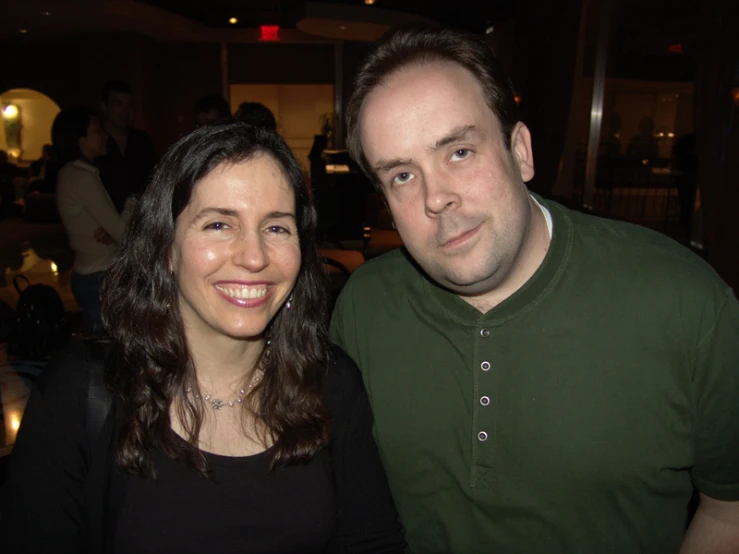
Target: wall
<point x="37" y="113"/>
<point x="297" y="109"/>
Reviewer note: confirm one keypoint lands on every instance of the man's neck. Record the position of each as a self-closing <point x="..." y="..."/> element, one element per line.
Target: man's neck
<point x="533" y="251"/>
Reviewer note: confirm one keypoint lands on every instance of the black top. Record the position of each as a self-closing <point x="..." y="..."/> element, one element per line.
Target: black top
<point x="65" y="494"/>
<point x="243" y="508"/>
<point x="122" y="175"/>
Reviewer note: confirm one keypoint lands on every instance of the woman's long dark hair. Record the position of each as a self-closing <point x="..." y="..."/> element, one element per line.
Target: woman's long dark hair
<point x="150" y="360"/>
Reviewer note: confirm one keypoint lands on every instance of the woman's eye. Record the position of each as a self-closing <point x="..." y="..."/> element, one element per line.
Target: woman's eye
<point x="461" y="154"/>
<point x="278" y="230"/>
<point x="402" y="178"/>
<point x="216" y="226"/>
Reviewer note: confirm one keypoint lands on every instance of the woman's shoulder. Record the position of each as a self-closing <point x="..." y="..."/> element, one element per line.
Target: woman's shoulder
<point x="68" y="372"/>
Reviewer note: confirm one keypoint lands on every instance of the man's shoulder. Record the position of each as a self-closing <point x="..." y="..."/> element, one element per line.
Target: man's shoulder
<point x="630" y="249"/>
<point x="391" y="270"/>
<point x="380" y="288"/>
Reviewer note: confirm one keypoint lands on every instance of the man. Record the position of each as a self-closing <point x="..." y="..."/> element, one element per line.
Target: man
<point x="542" y="380"/>
<point x="131" y="156"/>
<point x="211" y="109"/>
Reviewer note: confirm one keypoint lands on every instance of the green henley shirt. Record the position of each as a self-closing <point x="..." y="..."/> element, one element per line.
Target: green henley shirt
<point x="574" y="417"/>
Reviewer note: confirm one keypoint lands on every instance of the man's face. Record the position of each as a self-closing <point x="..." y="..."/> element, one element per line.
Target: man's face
<point x="456" y="194"/>
<point x="118" y="109"/>
<point x="206" y="118"/>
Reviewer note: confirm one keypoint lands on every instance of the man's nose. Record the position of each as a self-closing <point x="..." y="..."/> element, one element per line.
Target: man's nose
<point x="440" y="194"/>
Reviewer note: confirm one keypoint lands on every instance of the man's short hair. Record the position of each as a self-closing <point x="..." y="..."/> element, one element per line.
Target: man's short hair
<point x="113" y="86"/>
<point x="257" y="114"/>
<point x="213" y="102"/>
<point x="417" y="45"/>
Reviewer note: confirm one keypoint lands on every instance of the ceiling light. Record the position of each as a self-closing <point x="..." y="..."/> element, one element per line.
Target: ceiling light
<point x="369" y="2"/>
<point x="10" y="111"/>
<point x="47" y="14"/>
<point x="23" y="31"/>
<point x="233" y="21"/>
<point x="342" y="27"/>
<point x="489" y="30"/>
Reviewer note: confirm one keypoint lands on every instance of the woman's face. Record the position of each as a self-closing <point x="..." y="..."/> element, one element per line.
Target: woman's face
<point x="236" y="252"/>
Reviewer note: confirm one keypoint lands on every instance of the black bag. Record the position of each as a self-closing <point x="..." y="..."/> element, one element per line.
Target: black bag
<point x="41" y="322"/>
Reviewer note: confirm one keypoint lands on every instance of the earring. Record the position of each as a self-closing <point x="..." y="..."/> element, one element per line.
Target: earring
<point x="289" y="303"/>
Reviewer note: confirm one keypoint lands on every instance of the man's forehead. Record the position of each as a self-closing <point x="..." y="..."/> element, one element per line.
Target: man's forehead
<point x="120" y="96"/>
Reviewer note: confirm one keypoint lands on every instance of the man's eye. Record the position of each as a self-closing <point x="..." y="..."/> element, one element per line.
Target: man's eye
<point x="216" y="226"/>
<point x="402" y="178"/>
<point x="461" y="154"/>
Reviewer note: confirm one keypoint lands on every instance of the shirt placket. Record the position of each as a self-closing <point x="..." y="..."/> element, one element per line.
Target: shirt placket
<point x="484" y="408"/>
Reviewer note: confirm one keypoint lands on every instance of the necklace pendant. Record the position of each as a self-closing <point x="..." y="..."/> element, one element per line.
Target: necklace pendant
<point x="216" y="404"/>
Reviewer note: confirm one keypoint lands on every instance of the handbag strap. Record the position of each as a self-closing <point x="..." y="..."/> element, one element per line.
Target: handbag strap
<point x="98" y="396"/>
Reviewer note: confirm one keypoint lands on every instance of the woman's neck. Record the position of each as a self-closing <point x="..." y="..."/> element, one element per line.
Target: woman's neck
<point x="225" y="364"/>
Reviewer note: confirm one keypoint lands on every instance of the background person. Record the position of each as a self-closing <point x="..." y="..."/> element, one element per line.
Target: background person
<point x="90" y="219"/>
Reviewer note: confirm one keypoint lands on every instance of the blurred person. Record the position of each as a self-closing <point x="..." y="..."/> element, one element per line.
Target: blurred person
<point x="257" y="114"/>
<point x="234" y="426"/>
<point x="92" y="223"/>
<point x="542" y="380"/>
<point x="131" y="156"/>
<point x="643" y="145"/>
<point x="37" y="169"/>
<point x="211" y="109"/>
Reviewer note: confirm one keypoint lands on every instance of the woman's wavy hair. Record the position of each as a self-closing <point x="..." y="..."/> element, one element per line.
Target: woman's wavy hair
<point x="150" y="360"/>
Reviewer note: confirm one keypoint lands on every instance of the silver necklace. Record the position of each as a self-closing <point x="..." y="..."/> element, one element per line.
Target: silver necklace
<point x="217" y="403"/>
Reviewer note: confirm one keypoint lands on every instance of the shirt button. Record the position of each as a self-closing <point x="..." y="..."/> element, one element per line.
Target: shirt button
<point x="484" y="333"/>
<point x="485" y="366"/>
<point x="482" y="436"/>
<point x="485" y="400"/>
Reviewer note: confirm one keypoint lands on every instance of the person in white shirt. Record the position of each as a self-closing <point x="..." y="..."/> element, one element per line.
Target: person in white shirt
<point x="92" y="223"/>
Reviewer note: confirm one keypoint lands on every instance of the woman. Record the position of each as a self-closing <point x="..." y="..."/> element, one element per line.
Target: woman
<point x="92" y="223"/>
<point x="234" y="426"/>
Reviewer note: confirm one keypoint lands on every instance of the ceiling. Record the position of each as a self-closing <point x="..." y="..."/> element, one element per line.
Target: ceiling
<point x="208" y="20"/>
<point x="475" y="15"/>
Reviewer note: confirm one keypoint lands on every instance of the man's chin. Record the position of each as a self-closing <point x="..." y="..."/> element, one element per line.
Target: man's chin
<point x="469" y="285"/>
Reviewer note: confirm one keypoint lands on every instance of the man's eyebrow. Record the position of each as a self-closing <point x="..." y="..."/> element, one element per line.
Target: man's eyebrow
<point x="455" y="135"/>
<point x="383" y="166"/>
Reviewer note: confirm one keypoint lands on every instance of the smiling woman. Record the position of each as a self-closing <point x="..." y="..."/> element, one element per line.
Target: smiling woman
<point x="223" y="382"/>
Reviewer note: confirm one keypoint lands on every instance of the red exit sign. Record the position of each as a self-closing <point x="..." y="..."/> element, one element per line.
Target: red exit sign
<point x="675" y="49"/>
<point x="269" y="32"/>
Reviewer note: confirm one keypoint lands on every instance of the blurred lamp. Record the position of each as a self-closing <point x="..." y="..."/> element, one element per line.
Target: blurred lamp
<point x="10" y="111"/>
<point x="233" y="21"/>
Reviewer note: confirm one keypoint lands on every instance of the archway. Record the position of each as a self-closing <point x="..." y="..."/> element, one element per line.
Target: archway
<point x="25" y="123"/>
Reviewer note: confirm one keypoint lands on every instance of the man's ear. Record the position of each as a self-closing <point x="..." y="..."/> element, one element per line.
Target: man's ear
<point x="522" y="152"/>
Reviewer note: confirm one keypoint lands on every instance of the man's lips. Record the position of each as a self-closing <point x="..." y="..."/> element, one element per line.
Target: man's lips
<point x="460" y="239"/>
